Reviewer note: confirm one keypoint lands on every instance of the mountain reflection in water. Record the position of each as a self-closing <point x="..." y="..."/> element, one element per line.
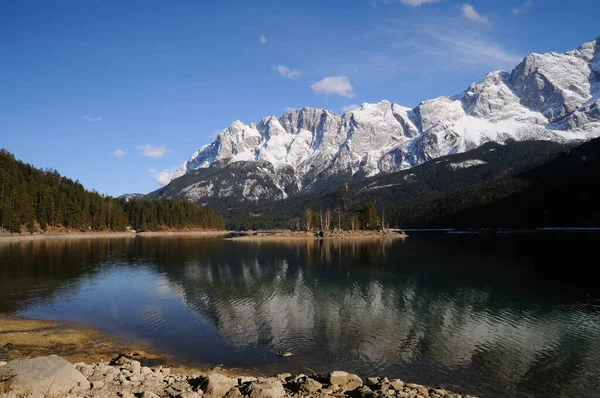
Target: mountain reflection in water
<point x="474" y="314"/>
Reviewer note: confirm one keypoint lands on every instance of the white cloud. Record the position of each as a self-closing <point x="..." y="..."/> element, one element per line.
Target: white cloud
<point x="150" y="151"/>
<point x="119" y="153"/>
<point x="469" y="12"/>
<point x="89" y="118"/>
<point x="284" y="71"/>
<point x="289" y="109"/>
<point x="349" y="108"/>
<point x="338" y="85"/>
<point x="523" y="7"/>
<point x="263" y="39"/>
<point x="163" y="177"/>
<point x="417" y="3"/>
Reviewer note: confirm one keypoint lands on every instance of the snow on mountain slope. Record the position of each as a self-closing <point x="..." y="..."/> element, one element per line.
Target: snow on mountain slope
<point x="546" y="97"/>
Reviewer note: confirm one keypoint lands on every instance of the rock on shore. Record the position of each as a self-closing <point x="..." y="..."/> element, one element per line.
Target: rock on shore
<point x="52" y="376"/>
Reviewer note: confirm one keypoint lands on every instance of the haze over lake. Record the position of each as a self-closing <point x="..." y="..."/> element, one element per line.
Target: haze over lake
<point x="497" y="316"/>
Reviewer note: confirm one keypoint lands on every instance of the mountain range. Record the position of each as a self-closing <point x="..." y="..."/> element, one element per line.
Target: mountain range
<point x="547" y="97"/>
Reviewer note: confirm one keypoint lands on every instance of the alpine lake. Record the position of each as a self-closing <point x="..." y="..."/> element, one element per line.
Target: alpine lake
<point x="499" y="316"/>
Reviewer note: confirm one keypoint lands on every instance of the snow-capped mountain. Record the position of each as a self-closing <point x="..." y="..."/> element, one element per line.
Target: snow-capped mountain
<point x="131" y="196"/>
<point x="550" y="96"/>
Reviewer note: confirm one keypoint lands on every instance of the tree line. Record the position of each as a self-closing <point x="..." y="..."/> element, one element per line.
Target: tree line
<point x="364" y="217"/>
<point x="43" y="200"/>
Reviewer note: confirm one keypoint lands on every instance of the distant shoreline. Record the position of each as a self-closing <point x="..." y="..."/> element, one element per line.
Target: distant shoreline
<point x="183" y="233"/>
<point x="102" y="235"/>
<point x="68" y="235"/>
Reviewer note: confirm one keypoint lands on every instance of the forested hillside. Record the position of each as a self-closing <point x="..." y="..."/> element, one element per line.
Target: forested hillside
<point x="43" y="200"/>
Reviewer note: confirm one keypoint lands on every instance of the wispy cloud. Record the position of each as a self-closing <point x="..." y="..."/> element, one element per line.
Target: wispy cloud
<point x="476" y="47"/>
<point x="425" y="47"/>
<point x="334" y="85"/>
<point x="162" y="177"/>
<point x="286" y="72"/>
<point x="289" y="109"/>
<point x="263" y="39"/>
<point x="349" y="108"/>
<point x="89" y="118"/>
<point x="414" y="3"/>
<point x="119" y="153"/>
<point x="150" y="151"/>
<point x="470" y="13"/>
<point x="523" y="7"/>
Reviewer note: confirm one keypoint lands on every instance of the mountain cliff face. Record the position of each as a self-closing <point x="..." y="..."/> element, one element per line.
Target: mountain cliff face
<point x="552" y="97"/>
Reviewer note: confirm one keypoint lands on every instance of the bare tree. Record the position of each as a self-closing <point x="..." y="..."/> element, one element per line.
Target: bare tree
<point x="321" y="219"/>
<point x="328" y="219"/>
<point x="309" y="215"/>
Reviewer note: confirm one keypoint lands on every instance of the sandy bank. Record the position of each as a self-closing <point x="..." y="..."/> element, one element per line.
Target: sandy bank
<point x="21" y="337"/>
<point x="76" y="235"/>
<point x="4" y="237"/>
<point x="184" y="233"/>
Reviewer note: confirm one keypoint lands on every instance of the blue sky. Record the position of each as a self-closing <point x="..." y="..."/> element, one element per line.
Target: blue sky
<point x="119" y="93"/>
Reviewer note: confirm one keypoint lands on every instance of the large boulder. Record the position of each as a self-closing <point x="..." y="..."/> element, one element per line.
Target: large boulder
<point x="347" y="381"/>
<point x="266" y="389"/>
<point x="217" y="385"/>
<point x="50" y="375"/>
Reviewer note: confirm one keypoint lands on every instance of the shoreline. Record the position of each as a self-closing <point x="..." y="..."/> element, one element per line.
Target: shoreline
<point x="55" y="358"/>
<point x="5" y="237"/>
<point x="183" y="233"/>
<point x="67" y="235"/>
<point x="22" y="337"/>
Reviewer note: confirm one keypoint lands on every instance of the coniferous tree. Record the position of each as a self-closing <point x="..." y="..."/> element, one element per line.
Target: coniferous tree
<point x="32" y="199"/>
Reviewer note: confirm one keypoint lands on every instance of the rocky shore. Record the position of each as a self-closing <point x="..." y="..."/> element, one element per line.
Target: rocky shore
<point x="125" y="377"/>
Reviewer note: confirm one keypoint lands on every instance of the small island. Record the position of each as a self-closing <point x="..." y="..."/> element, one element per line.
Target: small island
<point x="320" y="234"/>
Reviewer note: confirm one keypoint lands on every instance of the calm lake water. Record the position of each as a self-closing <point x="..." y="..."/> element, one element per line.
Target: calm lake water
<point x="497" y="316"/>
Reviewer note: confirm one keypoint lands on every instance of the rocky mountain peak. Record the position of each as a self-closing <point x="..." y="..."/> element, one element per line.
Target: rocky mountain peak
<point x="546" y="97"/>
